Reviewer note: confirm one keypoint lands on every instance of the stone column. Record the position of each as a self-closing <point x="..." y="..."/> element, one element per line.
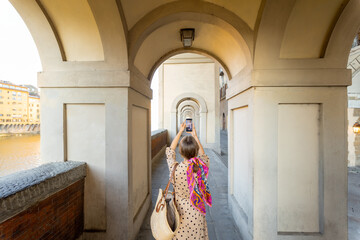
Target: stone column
<point x="173" y="126"/>
<point x="287" y="155"/>
<point x="203" y="121"/>
<point x="161" y="97"/>
<point x="102" y="118"/>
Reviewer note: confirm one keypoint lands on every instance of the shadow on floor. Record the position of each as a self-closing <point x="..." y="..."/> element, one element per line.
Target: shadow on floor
<point x="354" y="203"/>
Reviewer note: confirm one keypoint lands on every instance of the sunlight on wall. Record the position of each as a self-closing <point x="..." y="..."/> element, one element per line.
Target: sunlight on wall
<point x="155" y="101"/>
<point x="19" y="57"/>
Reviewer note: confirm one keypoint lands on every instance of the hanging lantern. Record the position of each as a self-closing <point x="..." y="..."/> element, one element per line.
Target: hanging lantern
<point x="356" y="127"/>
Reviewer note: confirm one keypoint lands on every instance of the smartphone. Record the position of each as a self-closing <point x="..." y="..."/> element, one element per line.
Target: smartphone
<point x="188" y="123"/>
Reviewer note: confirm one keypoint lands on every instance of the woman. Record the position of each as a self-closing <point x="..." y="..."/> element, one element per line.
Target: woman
<point x="191" y="190"/>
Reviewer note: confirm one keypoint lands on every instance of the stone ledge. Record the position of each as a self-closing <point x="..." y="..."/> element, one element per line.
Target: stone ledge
<point x="156" y="133"/>
<point x="22" y="189"/>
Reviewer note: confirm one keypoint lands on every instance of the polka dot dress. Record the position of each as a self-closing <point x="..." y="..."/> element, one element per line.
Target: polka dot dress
<point x="192" y="222"/>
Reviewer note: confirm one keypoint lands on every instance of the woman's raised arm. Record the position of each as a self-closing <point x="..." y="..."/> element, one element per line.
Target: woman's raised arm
<point x="194" y="134"/>
<point x="176" y="139"/>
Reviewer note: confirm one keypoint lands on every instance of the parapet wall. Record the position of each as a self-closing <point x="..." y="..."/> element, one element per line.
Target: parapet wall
<point x="46" y="202"/>
<point x="158" y="144"/>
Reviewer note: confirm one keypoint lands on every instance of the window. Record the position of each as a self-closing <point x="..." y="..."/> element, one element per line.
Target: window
<point x="0" y="89"/>
<point x="30" y="109"/>
<point x="13" y="98"/>
<point x="8" y="115"/>
<point x="19" y="93"/>
<point x="1" y="96"/>
<point x="14" y="93"/>
<point x="1" y="102"/>
<point x="1" y="114"/>
<point x="37" y="105"/>
<point x="14" y="103"/>
<point x="30" y="115"/>
<point x="19" y="99"/>
<point x="14" y="109"/>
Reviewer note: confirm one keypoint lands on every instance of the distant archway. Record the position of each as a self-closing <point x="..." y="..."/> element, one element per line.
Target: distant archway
<point x="202" y="112"/>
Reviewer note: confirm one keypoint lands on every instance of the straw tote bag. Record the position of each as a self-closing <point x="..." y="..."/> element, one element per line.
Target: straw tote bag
<point x="165" y="218"/>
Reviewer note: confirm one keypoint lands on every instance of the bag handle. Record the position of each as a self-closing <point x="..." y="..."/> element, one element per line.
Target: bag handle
<point x="172" y="176"/>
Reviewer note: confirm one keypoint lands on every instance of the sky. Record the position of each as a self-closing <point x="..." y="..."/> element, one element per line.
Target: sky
<point x="19" y="58"/>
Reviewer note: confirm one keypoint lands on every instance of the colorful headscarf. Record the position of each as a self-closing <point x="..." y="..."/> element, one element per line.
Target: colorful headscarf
<point x="200" y="192"/>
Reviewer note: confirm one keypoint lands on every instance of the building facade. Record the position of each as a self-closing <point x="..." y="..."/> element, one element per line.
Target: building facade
<point x="354" y="105"/>
<point x="223" y="79"/>
<point x="34" y="109"/>
<point x="19" y="107"/>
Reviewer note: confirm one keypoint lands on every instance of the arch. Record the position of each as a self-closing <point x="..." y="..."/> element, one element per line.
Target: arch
<point x="189" y="96"/>
<point x="170" y="12"/>
<point x="199" y="103"/>
<point x="143" y="45"/>
<point x="267" y="53"/>
<point x="343" y="34"/>
<point x="190" y="103"/>
<point x="186" y="50"/>
<point x="108" y="27"/>
<point x="49" y="47"/>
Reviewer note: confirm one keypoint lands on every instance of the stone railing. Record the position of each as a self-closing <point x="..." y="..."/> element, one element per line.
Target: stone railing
<point x="46" y="202"/>
<point x="158" y="144"/>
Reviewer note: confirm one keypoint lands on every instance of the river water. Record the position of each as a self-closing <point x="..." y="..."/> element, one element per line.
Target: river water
<point x="19" y="153"/>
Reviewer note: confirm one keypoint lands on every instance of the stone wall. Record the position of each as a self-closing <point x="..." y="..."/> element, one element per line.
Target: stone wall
<point x="46" y="202"/>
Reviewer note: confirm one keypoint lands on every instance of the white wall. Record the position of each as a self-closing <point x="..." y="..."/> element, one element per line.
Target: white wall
<point x="241" y="164"/>
<point x="298" y="167"/>
<point x="85" y="131"/>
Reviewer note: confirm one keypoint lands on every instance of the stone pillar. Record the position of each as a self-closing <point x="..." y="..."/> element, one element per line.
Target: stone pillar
<point x="161" y="97"/>
<point x="173" y="130"/>
<point x="203" y="126"/>
<point x="287" y="156"/>
<point x="102" y="118"/>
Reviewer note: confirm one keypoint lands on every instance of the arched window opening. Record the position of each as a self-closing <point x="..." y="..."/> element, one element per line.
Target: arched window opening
<point x="19" y="95"/>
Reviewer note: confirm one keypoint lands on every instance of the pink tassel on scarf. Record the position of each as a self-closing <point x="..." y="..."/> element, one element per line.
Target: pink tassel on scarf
<point x="199" y="190"/>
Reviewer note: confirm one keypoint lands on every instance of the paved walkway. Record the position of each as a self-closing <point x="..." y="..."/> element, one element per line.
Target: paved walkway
<point x="354" y="203"/>
<point x="220" y="222"/>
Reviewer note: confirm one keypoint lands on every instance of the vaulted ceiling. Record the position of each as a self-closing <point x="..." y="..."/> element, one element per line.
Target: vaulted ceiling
<point x="240" y="34"/>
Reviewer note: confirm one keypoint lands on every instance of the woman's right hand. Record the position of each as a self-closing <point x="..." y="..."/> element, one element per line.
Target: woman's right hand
<point x="193" y="133"/>
<point x="182" y="127"/>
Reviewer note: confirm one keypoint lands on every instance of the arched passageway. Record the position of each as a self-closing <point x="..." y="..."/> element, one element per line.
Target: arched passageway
<point x="286" y="98"/>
